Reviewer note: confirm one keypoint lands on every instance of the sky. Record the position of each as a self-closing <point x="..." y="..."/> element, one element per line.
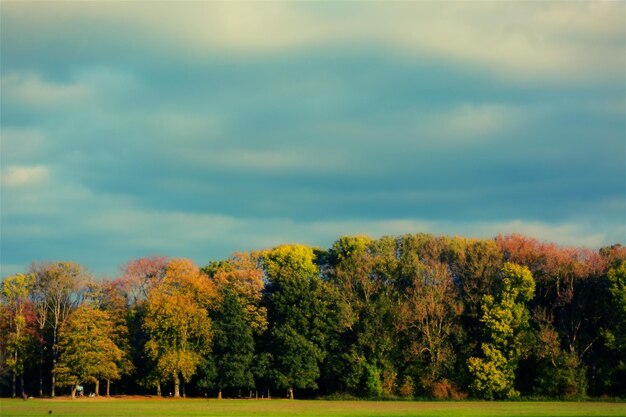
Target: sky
<point x="197" y="129"/>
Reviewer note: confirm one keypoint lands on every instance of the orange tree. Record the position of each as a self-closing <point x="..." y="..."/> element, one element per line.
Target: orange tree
<point x="177" y="322"/>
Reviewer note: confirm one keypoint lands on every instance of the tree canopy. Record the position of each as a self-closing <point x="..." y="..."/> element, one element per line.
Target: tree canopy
<point x="407" y="316"/>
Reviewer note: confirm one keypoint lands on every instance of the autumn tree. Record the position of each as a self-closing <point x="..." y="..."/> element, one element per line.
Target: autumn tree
<point x="177" y="322"/>
<point x="505" y="319"/>
<point x="429" y="319"/>
<point x="242" y="275"/>
<point x="60" y="286"/>
<point x="87" y="351"/>
<point x="137" y="279"/>
<point x="139" y="276"/>
<point x="20" y="324"/>
<point x="569" y="286"/>
<point x="109" y="296"/>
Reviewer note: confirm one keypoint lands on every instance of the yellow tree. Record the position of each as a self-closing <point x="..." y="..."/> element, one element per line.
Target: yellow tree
<point x="108" y="296"/>
<point x="87" y="351"/>
<point x="177" y="321"/>
<point x="505" y="319"/>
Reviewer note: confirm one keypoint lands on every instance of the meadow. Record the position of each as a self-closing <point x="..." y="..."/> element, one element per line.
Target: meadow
<point x="151" y="407"/>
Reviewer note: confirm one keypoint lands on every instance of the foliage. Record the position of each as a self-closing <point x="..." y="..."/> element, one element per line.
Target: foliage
<point x="505" y="319"/>
<point x="230" y="364"/>
<point x="299" y="313"/>
<point x="87" y="351"/>
<point x="177" y="322"/>
<point x="429" y="320"/>
<point x="411" y="316"/>
<point x="18" y="329"/>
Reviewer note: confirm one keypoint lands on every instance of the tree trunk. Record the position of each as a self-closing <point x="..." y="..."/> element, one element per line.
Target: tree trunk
<point x="158" y="386"/>
<point x="41" y="370"/>
<point x="13" y="391"/>
<point x="97" y="387"/>
<point x="176" y="387"/>
<point x="219" y="394"/>
<point x="108" y="387"/>
<point x="22" y="384"/>
<point x="54" y="359"/>
<point x="183" y="388"/>
<point x="73" y="391"/>
<point x="291" y="393"/>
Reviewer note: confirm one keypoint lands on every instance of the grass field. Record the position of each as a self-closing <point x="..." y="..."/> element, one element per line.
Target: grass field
<point x="115" y="407"/>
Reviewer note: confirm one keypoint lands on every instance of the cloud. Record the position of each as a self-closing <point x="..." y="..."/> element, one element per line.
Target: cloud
<point x="22" y="145"/>
<point x="30" y="89"/>
<point x="24" y="176"/>
<point x="120" y="229"/>
<point x="559" y="42"/>
<point x="198" y="129"/>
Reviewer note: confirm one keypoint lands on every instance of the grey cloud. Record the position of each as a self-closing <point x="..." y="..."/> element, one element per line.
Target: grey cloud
<point x="186" y="153"/>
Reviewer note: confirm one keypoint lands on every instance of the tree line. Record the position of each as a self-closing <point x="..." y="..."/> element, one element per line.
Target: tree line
<point x="415" y="316"/>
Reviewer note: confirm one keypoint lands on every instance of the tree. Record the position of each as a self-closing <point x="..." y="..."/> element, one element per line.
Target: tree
<point x="86" y="349"/>
<point x="61" y="285"/>
<point x="614" y="329"/>
<point x="177" y="321"/>
<point x="139" y="276"/>
<point x="570" y="283"/>
<point x="109" y="296"/>
<point x="298" y="316"/>
<point x="242" y="275"/>
<point x="505" y="319"/>
<point x="429" y="318"/>
<point x="230" y="364"/>
<point x="39" y="298"/>
<point x="20" y="323"/>
<point x="365" y="273"/>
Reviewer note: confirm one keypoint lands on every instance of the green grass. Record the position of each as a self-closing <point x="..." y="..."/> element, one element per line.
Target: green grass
<point x="114" y="407"/>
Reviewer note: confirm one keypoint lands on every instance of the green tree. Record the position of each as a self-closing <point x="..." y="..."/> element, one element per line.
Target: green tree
<point x="505" y="320"/>
<point x="230" y="364"/>
<point x="364" y="273"/>
<point x="614" y="327"/>
<point x="298" y="314"/>
<point x="87" y="351"/>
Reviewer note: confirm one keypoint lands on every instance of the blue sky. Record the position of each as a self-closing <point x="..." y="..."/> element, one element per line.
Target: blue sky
<point x="199" y="129"/>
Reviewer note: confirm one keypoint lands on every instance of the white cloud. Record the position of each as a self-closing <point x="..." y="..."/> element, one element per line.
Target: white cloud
<point x="23" y="176"/>
<point x="568" y="234"/>
<point x="470" y="122"/>
<point x="21" y="144"/>
<point x="31" y="90"/>
<point x="560" y="41"/>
